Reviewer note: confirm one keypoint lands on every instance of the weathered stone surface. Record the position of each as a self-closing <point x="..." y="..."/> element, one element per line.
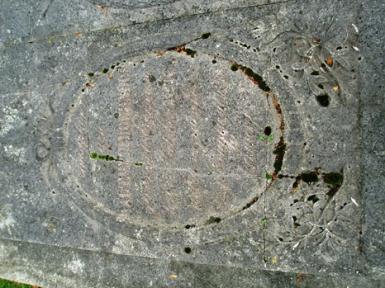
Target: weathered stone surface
<point x="200" y="143"/>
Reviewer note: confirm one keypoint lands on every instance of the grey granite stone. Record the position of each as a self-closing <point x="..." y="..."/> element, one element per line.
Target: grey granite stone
<point x="213" y="143"/>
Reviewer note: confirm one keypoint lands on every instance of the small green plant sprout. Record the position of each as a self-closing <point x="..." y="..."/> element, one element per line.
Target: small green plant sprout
<point x="268" y="176"/>
<point x="264" y="222"/>
<point x="97" y="156"/>
<point x="265" y="138"/>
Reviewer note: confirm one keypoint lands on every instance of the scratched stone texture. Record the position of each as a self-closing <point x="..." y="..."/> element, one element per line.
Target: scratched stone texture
<point x="195" y="144"/>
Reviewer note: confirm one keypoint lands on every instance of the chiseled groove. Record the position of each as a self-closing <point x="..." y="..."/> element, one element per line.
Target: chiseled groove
<point x="221" y="148"/>
<point x="148" y="196"/>
<point x="210" y="200"/>
<point x="196" y="115"/>
<point x="172" y="200"/>
<point x="124" y="143"/>
<point x="81" y="129"/>
<point x="166" y="153"/>
<point x="138" y="181"/>
<point x="215" y="98"/>
<point x="249" y="147"/>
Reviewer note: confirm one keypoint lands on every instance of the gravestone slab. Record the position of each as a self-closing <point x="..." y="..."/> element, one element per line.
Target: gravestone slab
<point x="228" y="137"/>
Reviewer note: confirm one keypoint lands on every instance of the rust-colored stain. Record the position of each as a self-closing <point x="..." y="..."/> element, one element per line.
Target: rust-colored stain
<point x="254" y="77"/>
<point x="102" y="9"/>
<point x="278" y="108"/>
<point x="183" y="49"/>
<point x="299" y="279"/>
<point x="329" y="60"/>
<point x="160" y="53"/>
<point x="295" y="186"/>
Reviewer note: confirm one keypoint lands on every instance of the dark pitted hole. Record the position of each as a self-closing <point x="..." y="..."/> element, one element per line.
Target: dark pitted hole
<point x="187" y="250"/>
<point x="321" y="86"/>
<point x="333" y="178"/>
<point x="323" y="100"/>
<point x="91" y="74"/>
<point x="285" y="76"/>
<point x="206" y="35"/>
<point x="151" y="78"/>
<point x="190" y="52"/>
<point x="234" y="67"/>
<point x="112" y="66"/>
<point x="267" y="130"/>
<point x="296" y="224"/>
<point x="277" y="67"/>
<point x="314" y="73"/>
<point x="309" y="177"/>
<point x="214" y="61"/>
<point x="339" y="48"/>
<point x="313" y="198"/>
<point x="188" y="226"/>
<point x="105" y="70"/>
<point x="116" y="115"/>
<point x="213" y="220"/>
<point x="280" y="239"/>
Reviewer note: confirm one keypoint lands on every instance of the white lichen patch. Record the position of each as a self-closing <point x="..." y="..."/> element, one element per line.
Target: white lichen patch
<point x="6" y="219"/>
<point x="76" y="266"/>
<point x="15" y="153"/>
<point x="9" y="121"/>
<point x="6" y="251"/>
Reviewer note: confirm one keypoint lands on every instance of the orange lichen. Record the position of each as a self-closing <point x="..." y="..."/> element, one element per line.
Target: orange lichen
<point x="329" y="60"/>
